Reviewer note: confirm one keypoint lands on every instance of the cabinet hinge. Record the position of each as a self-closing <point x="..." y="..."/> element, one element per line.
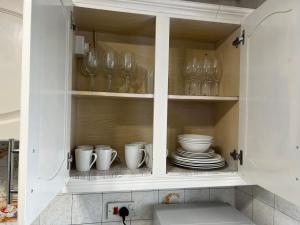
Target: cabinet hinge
<point x="72" y="22"/>
<point x="239" y="40"/>
<point x="70" y="159"/>
<point x="237" y="156"/>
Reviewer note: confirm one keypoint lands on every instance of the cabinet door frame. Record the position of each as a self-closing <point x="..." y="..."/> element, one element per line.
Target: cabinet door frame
<point x="269" y="109"/>
<point x="44" y="106"/>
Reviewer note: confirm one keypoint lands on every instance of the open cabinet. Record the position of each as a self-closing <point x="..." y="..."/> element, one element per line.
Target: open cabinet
<point x="111" y="111"/>
<point x="192" y="45"/>
<point x="255" y="111"/>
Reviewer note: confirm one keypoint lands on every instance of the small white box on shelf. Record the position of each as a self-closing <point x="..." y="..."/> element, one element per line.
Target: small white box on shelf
<point x="79" y="48"/>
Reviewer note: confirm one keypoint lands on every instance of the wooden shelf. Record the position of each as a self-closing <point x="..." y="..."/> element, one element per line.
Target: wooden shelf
<point x="111" y="95"/>
<point x="202" y="98"/>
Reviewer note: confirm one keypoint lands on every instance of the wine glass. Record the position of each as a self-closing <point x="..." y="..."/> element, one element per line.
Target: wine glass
<point x="200" y="74"/>
<point x="190" y="71"/>
<point x="217" y="74"/>
<point x="208" y="76"/>
<point x="90" y="66"/>
<point x="109" y="64"/>
<point x="127" y="64"/>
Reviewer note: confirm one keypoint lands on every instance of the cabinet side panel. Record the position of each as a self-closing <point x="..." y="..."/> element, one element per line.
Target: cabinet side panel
<point x="230" y="59"/>
<point x="226" y="128"/>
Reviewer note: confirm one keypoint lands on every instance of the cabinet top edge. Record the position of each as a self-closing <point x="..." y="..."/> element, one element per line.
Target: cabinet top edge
<point x="171" y="8"/>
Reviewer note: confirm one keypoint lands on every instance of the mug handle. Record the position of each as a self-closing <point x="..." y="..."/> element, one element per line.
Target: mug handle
<point x="95" y="158"/>
<point x="114" y="153"/>
<point x="145" y="155"/>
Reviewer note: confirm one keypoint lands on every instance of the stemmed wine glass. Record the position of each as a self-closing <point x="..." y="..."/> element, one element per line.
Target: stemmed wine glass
<point x="91" y="63"/>
<point x="127" y="64"/>
<point x="208" y="76"/>
<point x="217" y="73"/>
<point x="109" y="64"/>
<point x="190" y="72"/>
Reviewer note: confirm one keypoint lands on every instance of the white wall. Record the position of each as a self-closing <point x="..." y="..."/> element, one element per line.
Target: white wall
<point x="10" y="67"/>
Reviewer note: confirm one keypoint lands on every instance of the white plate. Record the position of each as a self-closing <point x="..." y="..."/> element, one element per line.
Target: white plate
<point x="198" y="161"/>
<point x="216" y="158"/>
<point x="199" y="167"/>
<point x="210" y="151"/>
<point x="204" y="156"/>
<point x="198" y="164"/>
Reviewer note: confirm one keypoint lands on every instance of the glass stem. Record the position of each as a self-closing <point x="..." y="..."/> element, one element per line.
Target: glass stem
<point x="127" y="83"/>
<point x="92" y="83"/>
<point x="109" y="82"/>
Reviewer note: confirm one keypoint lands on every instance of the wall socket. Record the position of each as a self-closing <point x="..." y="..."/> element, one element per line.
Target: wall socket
<point x="114" y="207"/>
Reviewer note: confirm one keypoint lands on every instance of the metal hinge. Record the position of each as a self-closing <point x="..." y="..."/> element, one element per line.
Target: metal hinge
<point x="70" y="160"/>
<point x="72" y="22"/>
<point x="237" y="156"/>
<point x="239" y="40"/>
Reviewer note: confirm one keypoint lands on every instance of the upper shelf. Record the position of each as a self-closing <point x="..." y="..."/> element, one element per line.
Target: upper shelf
<point x="151" y="96"/>
<point x="202" y="98"/>
<point x="111" y="95"/>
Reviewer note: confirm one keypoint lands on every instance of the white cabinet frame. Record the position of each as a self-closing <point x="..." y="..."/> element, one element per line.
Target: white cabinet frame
<point x="163" y="11"/>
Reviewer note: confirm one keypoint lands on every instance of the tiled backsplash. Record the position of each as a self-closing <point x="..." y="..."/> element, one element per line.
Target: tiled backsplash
<point x="90" y="209"/>
<point x="265" y="208"/>
<point x="260" y="205"/>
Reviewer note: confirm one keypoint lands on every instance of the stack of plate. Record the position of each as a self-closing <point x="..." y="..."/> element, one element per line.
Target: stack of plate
<point x="195" y="142"/>
<point x="196" y="153"/>
<point x="205" y="161"/>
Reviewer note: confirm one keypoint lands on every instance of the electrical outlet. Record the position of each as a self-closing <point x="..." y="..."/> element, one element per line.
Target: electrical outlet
<point x="114" y="207"/>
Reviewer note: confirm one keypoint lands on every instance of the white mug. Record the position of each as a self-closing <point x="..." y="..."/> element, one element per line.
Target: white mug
<point x="105" y="158"/>
<point x="83" y="158"/>
<point x="141" y="144"/>
<point x="85" y="146"/>
<point x="134" y="156"/>
<point x="102" y="147"/>
<point x="149" y="155"/>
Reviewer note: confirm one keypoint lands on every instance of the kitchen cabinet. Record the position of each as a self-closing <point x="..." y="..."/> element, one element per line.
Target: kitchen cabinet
<point x="256" y="112"/>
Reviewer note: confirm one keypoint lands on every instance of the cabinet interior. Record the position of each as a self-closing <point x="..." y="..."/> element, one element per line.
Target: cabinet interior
<point x="114" y="120"/>
<point x="117" y="120"/>
<point x="190" y="39"/>
<point x="120" y="32"/>
<point x="217" y="118"/>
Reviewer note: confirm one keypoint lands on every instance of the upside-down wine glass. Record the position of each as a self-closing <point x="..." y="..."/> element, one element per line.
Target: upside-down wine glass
<point x="110" y="64"/>
<point x="91" y="63"/>
<point x="127" y="65"/>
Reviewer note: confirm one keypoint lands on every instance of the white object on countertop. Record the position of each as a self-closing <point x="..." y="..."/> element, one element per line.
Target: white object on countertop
<point x="198" y="214"/>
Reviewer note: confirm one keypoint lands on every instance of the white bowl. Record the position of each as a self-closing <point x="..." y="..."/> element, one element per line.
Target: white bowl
<point x="194" y="137"/>
<point x="195" y="141"/>
<point x="192" y="147"/>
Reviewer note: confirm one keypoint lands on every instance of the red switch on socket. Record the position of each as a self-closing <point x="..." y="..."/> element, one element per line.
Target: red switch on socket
<point x="116" y="211"/>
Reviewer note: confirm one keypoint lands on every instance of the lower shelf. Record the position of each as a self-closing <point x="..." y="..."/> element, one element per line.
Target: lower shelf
<point x="116" y="171"/>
